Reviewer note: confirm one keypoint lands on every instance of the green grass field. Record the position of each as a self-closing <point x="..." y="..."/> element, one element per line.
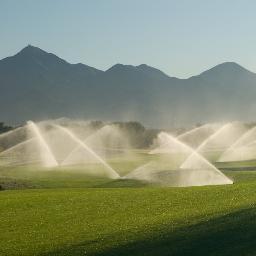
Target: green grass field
<point x="65" y="212"/>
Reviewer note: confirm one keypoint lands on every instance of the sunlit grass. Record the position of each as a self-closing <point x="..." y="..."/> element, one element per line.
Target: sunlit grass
<point x="67" y="211"/>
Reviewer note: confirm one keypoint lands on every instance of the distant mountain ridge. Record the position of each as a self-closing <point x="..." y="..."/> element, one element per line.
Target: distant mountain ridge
<point x="36" y="85"/>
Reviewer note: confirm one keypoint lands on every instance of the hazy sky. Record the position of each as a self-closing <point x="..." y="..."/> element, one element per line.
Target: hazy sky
<point x="182" y="38"/>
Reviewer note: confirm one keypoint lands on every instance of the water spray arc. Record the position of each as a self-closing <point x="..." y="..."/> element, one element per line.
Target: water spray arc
<point x="238" y="145"/>
<point x="201" y="172"/>
<point x="179" y="161"/>
<point x="46" y="153"/>
<point x="199" y="156"/>
<point x="202" y="145"/>
<point x="66" y="159"/>
<point x="10" y="132"/>
<point x="194" y="130"/>
<point x="111" y="172"/>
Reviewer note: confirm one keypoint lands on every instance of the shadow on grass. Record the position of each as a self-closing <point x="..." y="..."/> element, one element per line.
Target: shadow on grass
<point x="233" y="234"/>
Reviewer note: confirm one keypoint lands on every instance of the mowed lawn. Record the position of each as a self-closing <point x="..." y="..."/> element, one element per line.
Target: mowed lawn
<point x="213" y="220"/>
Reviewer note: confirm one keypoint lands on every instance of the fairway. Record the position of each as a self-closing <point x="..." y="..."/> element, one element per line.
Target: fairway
<point x="212" y="220"/>
<point x="100" y="199"/>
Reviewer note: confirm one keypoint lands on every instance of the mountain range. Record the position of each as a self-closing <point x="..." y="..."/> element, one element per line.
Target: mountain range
<point x="36" y="85"/>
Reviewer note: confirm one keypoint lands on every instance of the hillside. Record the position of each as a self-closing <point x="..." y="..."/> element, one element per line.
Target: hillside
<point x="35" y="85"/>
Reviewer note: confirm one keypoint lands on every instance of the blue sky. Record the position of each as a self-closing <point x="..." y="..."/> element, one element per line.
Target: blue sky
<point x="182" y="38"/>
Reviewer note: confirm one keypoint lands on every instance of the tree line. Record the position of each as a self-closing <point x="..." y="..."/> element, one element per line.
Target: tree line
<point x="4" y="128"/>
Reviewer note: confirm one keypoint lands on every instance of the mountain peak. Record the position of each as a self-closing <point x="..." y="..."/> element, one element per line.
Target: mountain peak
<point x="227" y="68"/>
<point x="148" y="69"/>
<point x="140" y="69"/>
<point x="32" y="58"/>
<point x="32" y="54"/>
<point x="120" y="67"/>
<point x="31" y="50"/>
<point x="230" y="66"/>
